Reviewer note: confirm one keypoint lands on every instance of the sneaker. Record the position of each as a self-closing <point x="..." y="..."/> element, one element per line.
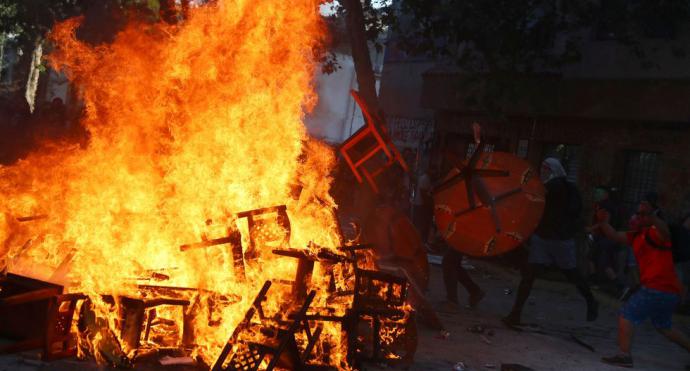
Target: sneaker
<point x="592" y="310"/>
<point x="475" y="298"/>
<point x="620" y="360"/>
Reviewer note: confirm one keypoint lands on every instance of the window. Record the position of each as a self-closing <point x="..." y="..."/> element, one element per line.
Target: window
<point x="522" y="148"/>
<point x="641" y="170"/>
<point x="569" y="155"/>
<point x="470" y="148"/>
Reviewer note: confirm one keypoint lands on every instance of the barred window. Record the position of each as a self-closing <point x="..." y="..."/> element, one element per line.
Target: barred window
<point x="522" y="148"/>
<point x="641" y="171"/>
<point x="470" y="148"/>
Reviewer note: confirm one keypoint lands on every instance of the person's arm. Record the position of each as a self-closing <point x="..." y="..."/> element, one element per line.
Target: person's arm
<point x="613" y="235"/>
<point x="477" y="130"/>
<point x="607" y="230"/>
<point x="663" y="231"/>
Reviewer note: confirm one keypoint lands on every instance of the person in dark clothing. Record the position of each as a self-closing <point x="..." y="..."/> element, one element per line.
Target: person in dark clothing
<point x="680" y="234"/>
<point x="553" y="242"/>
<point x="607" y="258"/>
<point x="453" y="272"/>
<point x="423" y="206"/>
<point x="680" y="240"/>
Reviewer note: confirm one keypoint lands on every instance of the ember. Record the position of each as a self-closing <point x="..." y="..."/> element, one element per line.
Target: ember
<point x="190" y="126"/>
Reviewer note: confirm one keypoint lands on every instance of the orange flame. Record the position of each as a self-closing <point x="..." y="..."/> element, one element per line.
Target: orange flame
<point x="189" y="124"/>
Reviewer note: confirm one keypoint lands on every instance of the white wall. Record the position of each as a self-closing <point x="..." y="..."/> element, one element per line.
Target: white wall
<point x="57" y="86"/>
<point x="336" y="116"/>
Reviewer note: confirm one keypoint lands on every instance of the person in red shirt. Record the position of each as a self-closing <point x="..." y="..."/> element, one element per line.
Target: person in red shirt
<point x="660" y="288"/>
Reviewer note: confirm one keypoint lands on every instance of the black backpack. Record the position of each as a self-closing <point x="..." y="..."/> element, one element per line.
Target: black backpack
<point x="575" y="207"/>
<point x="680" y="241"/>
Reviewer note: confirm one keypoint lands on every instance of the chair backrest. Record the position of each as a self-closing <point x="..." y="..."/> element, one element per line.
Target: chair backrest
<point x="249" y="355"/>
<point x="373" y="132"/>
<point x="375" y="288"/>
<point x="268" y="228"/>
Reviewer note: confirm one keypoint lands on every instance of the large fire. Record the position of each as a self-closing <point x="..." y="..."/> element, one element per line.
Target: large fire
<point x="189" y="124"/>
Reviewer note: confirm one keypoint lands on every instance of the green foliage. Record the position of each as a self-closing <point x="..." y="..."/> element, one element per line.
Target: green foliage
<point x="8" y="12"/>
<point x="25" y="22"/>
<point x="154" y="5"/>
<point x="632" y="22"/>
<point x="496" y="35"/>
<point x="497" y="43"/>
<point x="530" y="35"/>
<point x="379" y="16"/>
<point x="29" y="19"/>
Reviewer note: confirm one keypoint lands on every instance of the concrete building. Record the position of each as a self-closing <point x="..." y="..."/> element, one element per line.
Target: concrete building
<point x="411" y="124"/>
<point x="611" y="120"/>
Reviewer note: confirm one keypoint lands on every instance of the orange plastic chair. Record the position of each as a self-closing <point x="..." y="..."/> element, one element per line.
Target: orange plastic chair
<point x="375" y="129"/>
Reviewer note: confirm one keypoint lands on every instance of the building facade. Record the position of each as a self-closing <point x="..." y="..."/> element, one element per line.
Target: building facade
<point x="613" y="121"/>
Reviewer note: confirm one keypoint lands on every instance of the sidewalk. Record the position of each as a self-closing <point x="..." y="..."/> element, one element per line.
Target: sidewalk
<point x="560" y="313"/>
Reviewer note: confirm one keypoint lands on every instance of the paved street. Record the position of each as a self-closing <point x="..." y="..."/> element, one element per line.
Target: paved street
<point x="560" y="312"/>
<point x="554" y="305"/>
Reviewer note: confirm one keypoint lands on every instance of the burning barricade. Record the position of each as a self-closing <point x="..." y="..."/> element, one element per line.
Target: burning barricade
<point x="294" y="328"/>
<point x="147" y="242"/>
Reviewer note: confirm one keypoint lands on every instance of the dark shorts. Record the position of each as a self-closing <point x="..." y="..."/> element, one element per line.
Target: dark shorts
<point x="562" y="254"/>
<point x="683" y="272"/>
<point x="653" y="304"/>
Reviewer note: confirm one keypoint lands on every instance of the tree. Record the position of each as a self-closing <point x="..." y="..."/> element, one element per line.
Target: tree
<point x="491" y="42"/>
<point x="631" y="22"/>
<point x="365" y="21"/>
<point x="24" y="23"/>
<point x="360" y="51"/>
<point x="498" y="43"/>
<point x="27" y="19"/>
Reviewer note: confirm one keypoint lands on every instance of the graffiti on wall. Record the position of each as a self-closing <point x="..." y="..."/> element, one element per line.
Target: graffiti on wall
<point x="410" y="133"/>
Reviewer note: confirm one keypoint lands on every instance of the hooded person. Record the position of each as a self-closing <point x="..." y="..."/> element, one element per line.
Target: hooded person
<point x="551" y="169"/>
<point x="553" y="242"/>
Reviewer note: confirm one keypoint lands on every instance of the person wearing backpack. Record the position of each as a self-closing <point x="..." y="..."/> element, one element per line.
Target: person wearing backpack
<point x="553" y="242"/>
<point x="660" y="288"/>
<point x="680" y="240"/>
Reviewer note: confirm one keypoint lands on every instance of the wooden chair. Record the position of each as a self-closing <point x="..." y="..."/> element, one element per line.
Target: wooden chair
<point x="36" y="314"/>
<point x="259" y="337"/>
<point x="268" y="228"/>
<point x="137" y="314"/>
<point x="377" y="296"/>
<point x="234" y="239"/>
